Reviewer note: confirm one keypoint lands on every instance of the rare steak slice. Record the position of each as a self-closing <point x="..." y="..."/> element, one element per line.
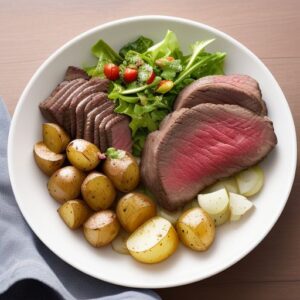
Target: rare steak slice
<point x="61" y="90"/>
<point x="241" y="90"/>
<point x="97" y="99"/>
<point x="73" y="73"/>
<point x="98" y="119"/>
<point x="95" y="85"/>
<point x="118" y="133"/>
<point x="90" y="120"/>
<point x="103" y="143"/>
<point x="197" y="146"/>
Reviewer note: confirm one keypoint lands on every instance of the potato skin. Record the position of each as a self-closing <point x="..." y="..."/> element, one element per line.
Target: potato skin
<point x="164" y="247"/>
<point x="47" y="161"/>
<point x="101" y="228"/>
<point x="123" y="171"/>
<point x="98" y="191"/>
<point x="83" y="155"/>
<point x="74" y="213"/>
<point x="196" y="229"/>
<point x="134" y="209"/>
<point x="55" y="137"/>
<point x="65" y="184"/>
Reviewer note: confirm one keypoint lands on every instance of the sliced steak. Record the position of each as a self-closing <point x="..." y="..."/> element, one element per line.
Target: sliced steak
<point x="57" y="93"/>
<point x="98" y="119"/>
<point x="118" y="133"/>
<point x="61" y="98"/>
<point x="75" y="73"/>
<point x="195" y="147"/>
<point x="90" y="120"/>
<point x="95" y="85"/>
<point x="97" y="99"/>
<point x="103" y="143"/>
<point x="241" y="90"/>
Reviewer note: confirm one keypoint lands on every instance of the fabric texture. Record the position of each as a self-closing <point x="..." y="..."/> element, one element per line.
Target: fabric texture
<point x="26" y="262"/>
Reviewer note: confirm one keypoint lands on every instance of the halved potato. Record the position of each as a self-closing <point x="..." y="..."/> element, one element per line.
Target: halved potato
<point x="134" y="209"/>
<point x="98" y="191"/>
<point x="47" y="160"/>
<point x="55" y="137"/>
<point x="83" y="155"/>
<point x="250" y="181"/>
<point x="216" y="204"/>
<point x="239" y="205"/>
<point x="153" y="242"/>
<point x="171" y="216"/>
<point x="196" y="229"/>
<point x="101" y="228"/>
<point x="119" y="243"/>
<point x="74" y="213"/>
<point x="65" y="184"/>
<point x="229" y="183"/>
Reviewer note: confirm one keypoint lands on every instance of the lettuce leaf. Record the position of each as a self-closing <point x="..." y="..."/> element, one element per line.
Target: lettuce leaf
<point x="169" y="46"/>
<point x="140" y="45"/>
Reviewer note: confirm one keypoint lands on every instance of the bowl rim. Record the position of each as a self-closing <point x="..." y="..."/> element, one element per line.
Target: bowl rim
<point x="176" y="282"/>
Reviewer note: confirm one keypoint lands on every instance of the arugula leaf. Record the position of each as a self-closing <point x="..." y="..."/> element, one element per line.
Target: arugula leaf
<point x="167" y="47"/>
<point x="140" y="45"/>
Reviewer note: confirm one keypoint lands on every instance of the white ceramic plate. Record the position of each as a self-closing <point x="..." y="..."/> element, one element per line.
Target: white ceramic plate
<point x="233" y="241"/>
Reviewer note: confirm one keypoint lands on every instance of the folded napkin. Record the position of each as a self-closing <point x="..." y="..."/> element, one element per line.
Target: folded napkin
<point x="28" y="270"/>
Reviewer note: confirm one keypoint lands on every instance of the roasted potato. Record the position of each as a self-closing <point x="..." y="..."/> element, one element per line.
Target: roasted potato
<point x="47" y="160"/>
<point x="134" y="209"/>
<point x="98" y="191"/>
<point x="196" y="229"/>
<point x="123" y="170"/>
<point x="83" y="155"/>
<point x="153" y="242"/>
<point x="55" y="138"/>
<point x="74" y="213"/>
<point x="101" y="228"/>
<point x="171" y="216"/>
<point x="65" y="184"/>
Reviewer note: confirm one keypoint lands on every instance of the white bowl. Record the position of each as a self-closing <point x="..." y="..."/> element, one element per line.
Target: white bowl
<point x="233" y="241"/>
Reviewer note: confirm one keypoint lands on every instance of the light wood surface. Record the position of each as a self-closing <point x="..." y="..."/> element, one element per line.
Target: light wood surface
<point x="30" y="30"/>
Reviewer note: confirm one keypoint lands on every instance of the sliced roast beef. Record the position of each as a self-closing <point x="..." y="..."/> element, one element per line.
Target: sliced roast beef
<point x="103" y="143"/>
<point x="59" y="92"/>
<point x="241" y="90"/>
<point x="94" y="85"/>
<point x="73" y="73"/>
<point x="90" y="120"/>
<point x="118" y="133"/>
<point x="197" y="146"/>
<point x="92" y="101"/>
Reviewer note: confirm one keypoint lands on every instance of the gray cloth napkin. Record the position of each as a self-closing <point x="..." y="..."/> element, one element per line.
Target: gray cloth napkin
<point x="23" y="256"/>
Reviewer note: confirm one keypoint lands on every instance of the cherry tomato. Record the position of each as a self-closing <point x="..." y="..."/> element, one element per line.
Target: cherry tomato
<point x="170" y="58"/>
<point x="111" y="71"/>
<point x="164" y="86"/>
<point x="151" y="78"/>
<point x="130" y="75"/>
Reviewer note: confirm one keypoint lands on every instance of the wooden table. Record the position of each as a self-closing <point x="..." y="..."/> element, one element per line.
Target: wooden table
<point x="30" y="30"/>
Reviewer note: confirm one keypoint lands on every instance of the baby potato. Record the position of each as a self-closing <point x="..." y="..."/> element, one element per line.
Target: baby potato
<point x="134" y="209"/>
<point x="74" y="213"/>
<point x="196" y="229"/>
<point x="65" y="184"/>
<point x="153" y="242"/>
<point x="98" y="191"/>
<point x="47" y="160"/>
<point x="83" y="155"/>
<point x="122" y="169"/>
<point x="101" y="228"/>
<point x="55" y="138"/>
<point x="119" y="243"/>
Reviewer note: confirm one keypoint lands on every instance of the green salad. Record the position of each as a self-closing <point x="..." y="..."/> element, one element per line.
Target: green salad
<point x="147" y="77"/>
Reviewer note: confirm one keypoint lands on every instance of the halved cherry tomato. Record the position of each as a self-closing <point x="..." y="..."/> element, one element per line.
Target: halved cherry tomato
<point x="170" y="58"/>
<point x="111" y="71"/>
<point x="164" y="86"/>
<point x="151" y="78"/>
<point x="130" y="75"/>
